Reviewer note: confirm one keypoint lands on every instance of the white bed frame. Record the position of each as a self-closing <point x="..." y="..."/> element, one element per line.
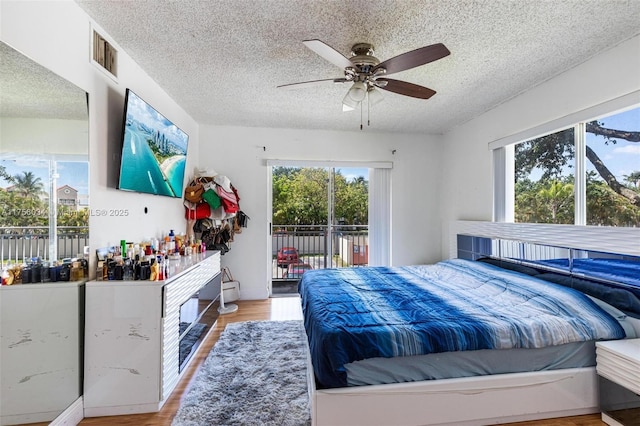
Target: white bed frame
<point x="485" y="399"/>
<point x="465" y="401"/>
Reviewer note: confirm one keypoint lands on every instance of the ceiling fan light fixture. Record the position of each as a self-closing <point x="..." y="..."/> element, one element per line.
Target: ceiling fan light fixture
<point x="375" y="97"/>
<point x="358" y="91"/>
<point x="348" y="104"/>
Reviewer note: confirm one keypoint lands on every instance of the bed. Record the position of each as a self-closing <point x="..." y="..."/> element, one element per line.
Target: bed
<point x="411" y="345"/>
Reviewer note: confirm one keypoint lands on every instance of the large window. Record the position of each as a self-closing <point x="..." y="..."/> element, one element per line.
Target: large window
<point x="319" y="219"/>
<point x="544" y="179"/>
<point x="613" y="170"/>
<point x="588" y="174"/>
<point x="328" y="214"/>
<point x="45" y="207"/>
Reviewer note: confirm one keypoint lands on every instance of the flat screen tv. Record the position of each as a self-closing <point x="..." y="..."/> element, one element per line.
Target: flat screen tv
<point x="154" y="150"/>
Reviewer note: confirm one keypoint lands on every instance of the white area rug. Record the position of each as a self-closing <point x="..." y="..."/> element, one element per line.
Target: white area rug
<point x="256" y="374"/>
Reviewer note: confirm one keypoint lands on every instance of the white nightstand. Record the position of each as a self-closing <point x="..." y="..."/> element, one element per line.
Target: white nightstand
<point x="618" y="365"/>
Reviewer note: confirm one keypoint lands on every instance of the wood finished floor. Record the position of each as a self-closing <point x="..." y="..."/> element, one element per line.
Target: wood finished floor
<point x="277" y="309"/>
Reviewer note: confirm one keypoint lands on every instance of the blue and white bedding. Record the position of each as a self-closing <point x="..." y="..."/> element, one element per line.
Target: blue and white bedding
<point x="455" y="305"/>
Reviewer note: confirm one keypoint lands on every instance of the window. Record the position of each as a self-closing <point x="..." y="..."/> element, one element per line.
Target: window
<point x="41" y="215"/>
<point x="358" y="223"/>
<point x="612" y="154"/>
<point x="588" y="174"/>
<point x="544" y="179"/>
<point x="319" y="217"/>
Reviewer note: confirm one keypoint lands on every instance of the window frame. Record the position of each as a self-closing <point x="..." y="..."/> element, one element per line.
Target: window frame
<point x="503" y="154"/>
<point x="52" y="161"/>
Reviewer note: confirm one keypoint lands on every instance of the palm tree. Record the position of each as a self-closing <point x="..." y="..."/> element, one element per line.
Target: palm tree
<point x="28" y="185"/>
<point x="633" y="179"/>
<point x="556" y="196"/>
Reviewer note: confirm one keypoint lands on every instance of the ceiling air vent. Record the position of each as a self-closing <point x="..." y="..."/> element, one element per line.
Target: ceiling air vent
<point x="104" y="54"/>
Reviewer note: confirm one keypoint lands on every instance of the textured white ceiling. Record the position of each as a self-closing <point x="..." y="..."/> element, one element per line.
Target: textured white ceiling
<point x="29" y="90"/>
<point x="221" y="60"/>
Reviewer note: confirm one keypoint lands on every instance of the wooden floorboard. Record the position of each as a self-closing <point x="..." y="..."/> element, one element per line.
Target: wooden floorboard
<point x="278" y="308"/>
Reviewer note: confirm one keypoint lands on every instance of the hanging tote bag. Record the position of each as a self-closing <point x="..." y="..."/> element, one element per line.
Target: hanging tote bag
<point x="211" y="197"/>
<point x="230" y="286"/>
<point x="228" y="199"/>
<point x="193" y="192"/>
<point x="196" y="211"/>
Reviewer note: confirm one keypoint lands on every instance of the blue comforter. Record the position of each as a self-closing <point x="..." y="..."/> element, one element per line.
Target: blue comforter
<point x="455" y="305"/>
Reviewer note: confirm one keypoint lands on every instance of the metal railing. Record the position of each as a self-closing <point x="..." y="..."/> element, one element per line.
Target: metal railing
<point x="337" y="246"/>
<point x="20" y="243"/>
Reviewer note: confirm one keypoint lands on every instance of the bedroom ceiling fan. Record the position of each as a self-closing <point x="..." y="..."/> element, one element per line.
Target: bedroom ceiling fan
<point x="367" y="74"/>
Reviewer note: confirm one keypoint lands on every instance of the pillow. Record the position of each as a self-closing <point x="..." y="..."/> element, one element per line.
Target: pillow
<point x="618" y="297"/>
<point x="510" y="266"/>
<point x="620" y="316"/>
<point x="611" y="310"/>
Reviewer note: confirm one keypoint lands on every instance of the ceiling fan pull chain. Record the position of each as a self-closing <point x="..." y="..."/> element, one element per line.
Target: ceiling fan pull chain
<point x="360" y="115"/>
<point x="368" y="111"/>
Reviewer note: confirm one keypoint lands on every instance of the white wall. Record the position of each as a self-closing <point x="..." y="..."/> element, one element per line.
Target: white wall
<point x="239" y="154"/>
<point x="467" y="190"/>
<point x="58" y="36"/>
<point x="44" y="136"/>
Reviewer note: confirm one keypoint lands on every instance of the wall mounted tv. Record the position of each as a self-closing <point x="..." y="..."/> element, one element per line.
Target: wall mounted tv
<point x="154" y="150"/>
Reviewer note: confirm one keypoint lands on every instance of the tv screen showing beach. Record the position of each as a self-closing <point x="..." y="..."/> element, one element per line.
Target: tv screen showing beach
<point x="154" y="151"/>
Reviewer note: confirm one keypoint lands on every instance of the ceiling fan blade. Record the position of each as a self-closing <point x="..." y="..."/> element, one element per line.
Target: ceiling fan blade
<point x="404" y="88"/>
<point x="328" y="53"/>
<point x="310" y="83"/>
<point x="413" y="59"/>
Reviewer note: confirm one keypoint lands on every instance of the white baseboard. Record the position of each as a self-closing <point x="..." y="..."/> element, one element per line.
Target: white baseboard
<point x="71" y="416"/>
<point x="610" y="421"/>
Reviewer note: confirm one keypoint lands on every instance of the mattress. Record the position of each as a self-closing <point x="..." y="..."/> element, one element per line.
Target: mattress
<point x="373" y="313"/>
<point x="448" y="365"/>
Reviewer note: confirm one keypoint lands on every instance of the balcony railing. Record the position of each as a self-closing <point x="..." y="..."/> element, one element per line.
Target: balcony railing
<point x="21" y="243"/>
<point x="320" y="247"/>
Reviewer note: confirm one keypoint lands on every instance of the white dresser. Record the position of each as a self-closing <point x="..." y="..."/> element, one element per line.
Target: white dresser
<point x="40" y="350"/>
<point x="618" y="365"/>
<point x="132" y="336"/>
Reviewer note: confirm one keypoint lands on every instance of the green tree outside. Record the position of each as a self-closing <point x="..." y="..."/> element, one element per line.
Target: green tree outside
<point x="28" y="185"/>
<point x="550" y="199"/>
<point x="300" y="197"/>
<point x="26" y="205"/>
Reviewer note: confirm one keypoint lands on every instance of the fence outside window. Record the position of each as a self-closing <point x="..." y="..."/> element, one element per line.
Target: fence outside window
<point x="320" y="246"/>
<point x="18" y="244"/>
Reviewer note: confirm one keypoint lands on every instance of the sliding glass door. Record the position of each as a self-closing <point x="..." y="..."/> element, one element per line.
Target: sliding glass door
<point x="320" y="218"/>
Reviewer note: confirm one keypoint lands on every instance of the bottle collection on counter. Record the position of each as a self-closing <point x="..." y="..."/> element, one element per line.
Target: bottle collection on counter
<point x="147" y="260"/>
<point x="35" y="271"/>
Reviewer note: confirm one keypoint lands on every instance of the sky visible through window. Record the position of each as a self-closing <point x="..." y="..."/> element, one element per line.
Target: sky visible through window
<point x="72" y="173"/>
<point x="622" y="158"/>
<point x="351" y="173"/>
